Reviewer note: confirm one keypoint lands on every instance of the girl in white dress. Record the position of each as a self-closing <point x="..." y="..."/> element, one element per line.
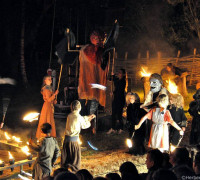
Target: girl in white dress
<point x="160" y="116"/>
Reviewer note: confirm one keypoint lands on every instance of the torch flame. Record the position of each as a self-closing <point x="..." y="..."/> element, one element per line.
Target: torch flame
<point x="32" y="116"/>
<point x="25" y="149"/>
<point x="172" y="87"/>
<point x="16" y="139"/>
<point x="10" y="155"/>
<point x="144" y="73"/>
<point x="79" y="141"/>
<point x="129" y="143"/>
<point x="1" y="161"/>
<point x="172" y="148"/>
<point x="6" y="135"/>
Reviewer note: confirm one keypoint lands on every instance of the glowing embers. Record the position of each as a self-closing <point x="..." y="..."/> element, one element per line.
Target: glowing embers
<point x="144" y="73"/>
<point x="32" y="116"/>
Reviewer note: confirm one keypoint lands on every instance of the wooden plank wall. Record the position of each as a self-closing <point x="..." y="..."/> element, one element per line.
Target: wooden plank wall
<point x="191" y="64"/>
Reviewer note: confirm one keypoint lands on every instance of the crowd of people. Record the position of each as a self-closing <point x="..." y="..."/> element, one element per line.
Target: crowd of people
<point x="160" y="107"/>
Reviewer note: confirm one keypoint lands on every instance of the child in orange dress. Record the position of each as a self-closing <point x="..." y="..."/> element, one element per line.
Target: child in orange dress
<point x="47" y="113"/>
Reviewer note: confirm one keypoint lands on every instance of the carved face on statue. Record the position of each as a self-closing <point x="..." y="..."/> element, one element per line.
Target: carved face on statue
<point x="155" y="85"/>
<point x="155" y="82"/>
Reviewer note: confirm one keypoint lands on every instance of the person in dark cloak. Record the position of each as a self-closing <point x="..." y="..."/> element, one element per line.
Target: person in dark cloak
<point x="134" y="114"/>
<point x="118" y="102"/>
<point x="177" y="113"/>
<point x="194" y="110"/>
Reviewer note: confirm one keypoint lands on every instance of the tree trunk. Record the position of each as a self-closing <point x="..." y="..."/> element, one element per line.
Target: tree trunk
<point x="22" y="59"/>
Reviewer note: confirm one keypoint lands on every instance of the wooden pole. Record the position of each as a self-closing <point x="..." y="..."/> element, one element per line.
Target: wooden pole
<point x="60" y="76"/>
<point x="194" y="55"/>
<point x="113" y="64"/>
<point x="178" y="55"/>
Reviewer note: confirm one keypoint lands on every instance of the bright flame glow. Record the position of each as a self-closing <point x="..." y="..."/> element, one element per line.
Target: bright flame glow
<point x="6" y="135"/>
<point x="129" y="143"/>
<point x="172" y="87"/>
<point x="10" y="155"/>
<point x="1" y="161"/>
<point x="32" y="116"/>
<point x="79" y="141"/>
<point x="172" y="148"/>
<point x="16" y="139"/>
<point x="25" y="149"/>
<point x="144" y="73"/>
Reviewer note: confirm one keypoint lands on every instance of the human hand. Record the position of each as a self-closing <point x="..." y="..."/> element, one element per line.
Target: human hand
<point x="30" y="141"/>
<point x="56" y="92"/>
<point x="137" y="126"/>
<point x="93" y="116"/>
<point x="183" y="128"/>
<point x="1" y="125"/>
<point x="181" y="132"/>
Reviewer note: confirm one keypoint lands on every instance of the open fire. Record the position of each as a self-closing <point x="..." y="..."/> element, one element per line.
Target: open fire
<point x="32" y="116"/>
<point x="172" y="87"/>
<point x="144" y="73"/>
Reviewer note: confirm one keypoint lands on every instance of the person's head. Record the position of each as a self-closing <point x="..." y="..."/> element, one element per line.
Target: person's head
<point x="76" y="106"/>
<point x="196" y="163"/>
<point x="176" y="100"/>
<point x="163" y="174"/>
<point x="84" y="174"/>
<point x="113" y="176"/>
<point x="183" y="171"/>
<point x="163" y="100"/>
<point x="196" y="96"/>
<point x="66" y="176"/>
<point x="156" y="82"/>
<point x="121" y="73"/>
<point x="97" y="37"/>
<point x="47" y="81"/>
<point x="128" y="168"/>
<point x="169" y="67"/>
<point x="46" y="128"/>
<point x="132" y="98"/>
<point x="166" y="164"/>
<point x="59" y="170"/>
<point x="154" y="159"/>
<point x="179" y="156"/>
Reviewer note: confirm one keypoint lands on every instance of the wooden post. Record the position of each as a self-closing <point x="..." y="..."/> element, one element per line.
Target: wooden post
<point x="139" y="55"/>
<point x="194" y="55"/>
<point x="159" y="59"/>
<point x="178" y="55"/>
<point x="126" y="55"/>
<point x="147" y="57"/>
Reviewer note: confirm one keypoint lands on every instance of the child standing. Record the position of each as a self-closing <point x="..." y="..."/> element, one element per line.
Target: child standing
<point x="177" y="113"/>
<point x="159" y="136"/>
<point x="71" y="152"/>
<point x="48" y="151"/>
<point x="47" y="112"/>
<point x="134" y="114"/>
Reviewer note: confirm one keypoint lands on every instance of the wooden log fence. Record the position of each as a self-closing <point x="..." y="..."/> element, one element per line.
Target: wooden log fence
<point x="190" y="63"/>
